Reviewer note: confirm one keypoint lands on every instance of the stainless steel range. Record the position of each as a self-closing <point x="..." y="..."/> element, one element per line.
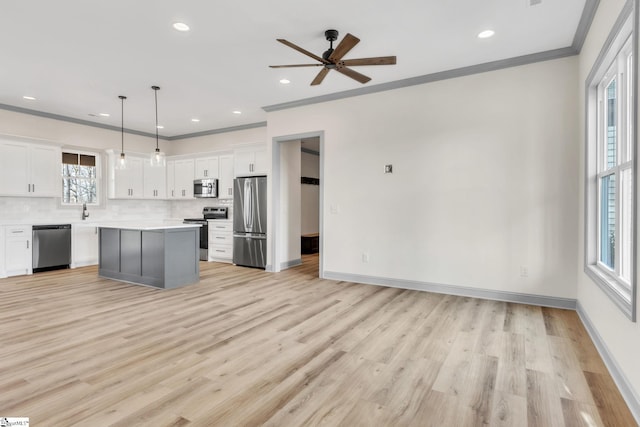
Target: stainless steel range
<point x="208" y="212"/>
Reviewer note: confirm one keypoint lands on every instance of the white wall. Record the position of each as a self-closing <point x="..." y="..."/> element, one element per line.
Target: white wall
<point x="289" y="217"/>
<point x="73" y="135"/>
<point x="309" y="195"/>
<point x="218" y="142"/>
<point x="485" y="180"/>
<point x="620" y="335"/>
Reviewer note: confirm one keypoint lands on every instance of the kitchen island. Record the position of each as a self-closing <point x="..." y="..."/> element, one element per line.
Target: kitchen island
<point x="161" y="256"/>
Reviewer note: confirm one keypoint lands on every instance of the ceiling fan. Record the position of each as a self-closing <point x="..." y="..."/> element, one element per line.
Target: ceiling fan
<point x="332" y="58"/>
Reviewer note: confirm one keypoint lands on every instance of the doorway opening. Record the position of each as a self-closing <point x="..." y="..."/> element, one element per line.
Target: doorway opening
<point x="297" y="188"/>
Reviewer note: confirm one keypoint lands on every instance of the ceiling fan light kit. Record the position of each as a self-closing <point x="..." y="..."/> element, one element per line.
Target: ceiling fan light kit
<point x="332" y="58"/>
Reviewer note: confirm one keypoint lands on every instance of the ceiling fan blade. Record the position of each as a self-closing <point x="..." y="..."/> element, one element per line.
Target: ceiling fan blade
<point x="353" y="74"/>
<point x="295" y="65"/>
<point x="320" y="77"/>
<point x="345" y="45"/>
<point x="380" y="60"/>
<point x="301" y="50"/>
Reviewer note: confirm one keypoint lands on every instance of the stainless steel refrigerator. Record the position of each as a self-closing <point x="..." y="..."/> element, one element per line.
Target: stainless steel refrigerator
<point x="250" y="221"/>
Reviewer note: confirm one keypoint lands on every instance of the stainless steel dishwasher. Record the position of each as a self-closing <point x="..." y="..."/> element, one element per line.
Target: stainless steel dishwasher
<point x="51" y="247"/>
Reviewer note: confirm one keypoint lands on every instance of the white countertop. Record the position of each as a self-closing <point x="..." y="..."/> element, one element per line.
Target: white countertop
<point x="144" y="227"/>
<point x="153" y="223"/>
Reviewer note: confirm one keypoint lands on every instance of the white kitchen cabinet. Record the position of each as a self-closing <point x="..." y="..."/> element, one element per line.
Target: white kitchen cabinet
<point x="206" y="167"/>
<point x="2" y="252"/>
<point x="154" y="181"/>
<point x="225" y="182"/>
<point x="127" y="183"/>
<point x="17" y="249"/>
<point x="221" y="240"/>
<point x="84" y="245"/>
<point x="250" y="161"/>
<point x="29" y="169"/>
<point x="171" y="179"/>
<point x="180" y="175"/>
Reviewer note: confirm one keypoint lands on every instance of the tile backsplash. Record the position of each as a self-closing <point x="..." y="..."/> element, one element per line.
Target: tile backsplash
<point x="193" y="208"/>
<point x="29" y="210"/>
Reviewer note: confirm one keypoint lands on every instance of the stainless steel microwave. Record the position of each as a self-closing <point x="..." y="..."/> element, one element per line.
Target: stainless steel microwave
<point x="205" y="187"/>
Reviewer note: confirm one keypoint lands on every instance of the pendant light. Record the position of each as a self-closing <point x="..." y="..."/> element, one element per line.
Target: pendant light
<point x="157" y="157"/>
<point x="122" y="164"/>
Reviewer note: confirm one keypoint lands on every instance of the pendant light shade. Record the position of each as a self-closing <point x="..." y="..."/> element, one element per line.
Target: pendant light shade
<point x="158" y="158"/>
<point x="122" y="164"/>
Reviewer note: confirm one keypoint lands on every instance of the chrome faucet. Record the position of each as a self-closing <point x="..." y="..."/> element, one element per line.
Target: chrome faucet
<point x="85" y="214"/>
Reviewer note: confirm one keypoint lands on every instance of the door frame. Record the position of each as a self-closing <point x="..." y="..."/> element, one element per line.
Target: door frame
<point x="275" y="198"/>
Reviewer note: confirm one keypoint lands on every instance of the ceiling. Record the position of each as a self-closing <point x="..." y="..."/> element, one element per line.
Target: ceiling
<point x="76" y="56"/>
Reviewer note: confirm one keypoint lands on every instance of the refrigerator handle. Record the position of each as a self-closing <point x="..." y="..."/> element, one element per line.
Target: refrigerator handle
<point x="248" y="206"/>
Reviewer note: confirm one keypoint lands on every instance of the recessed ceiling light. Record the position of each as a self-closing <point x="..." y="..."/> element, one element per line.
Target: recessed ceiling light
<point x="486" y="34"/>
<point x="285" y="81"/>
<point x="29" y="98"/>
<point x="105" y="114"/>
<point x="160" y="127"/>
<point x="237" y="112"/>
<point x="195" y="120"/>
<point x="181" y="26"/>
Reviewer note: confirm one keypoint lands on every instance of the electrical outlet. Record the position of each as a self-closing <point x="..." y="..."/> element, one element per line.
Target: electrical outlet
<point x="524" y="271"/>
<point x="365" y="257"/>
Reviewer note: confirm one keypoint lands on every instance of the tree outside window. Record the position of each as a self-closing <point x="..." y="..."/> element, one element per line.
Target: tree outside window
<point x="79" y="179"/>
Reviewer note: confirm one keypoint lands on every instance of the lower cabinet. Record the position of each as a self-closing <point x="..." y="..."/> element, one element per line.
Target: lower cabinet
<point x="221" y="240"/>
<point x="17" y="249"/>
<point x="162" y="257"/>
<point x="84" y="244"/>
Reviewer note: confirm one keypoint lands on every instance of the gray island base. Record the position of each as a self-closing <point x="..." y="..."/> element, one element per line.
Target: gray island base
<point x="163" y="257"/>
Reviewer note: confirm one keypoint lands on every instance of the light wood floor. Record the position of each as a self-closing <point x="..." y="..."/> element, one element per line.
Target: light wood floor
<point x="245" y="347"/>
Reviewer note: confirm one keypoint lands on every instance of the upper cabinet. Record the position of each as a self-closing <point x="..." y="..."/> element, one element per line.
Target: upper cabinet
<point x="154" y="181"/>
<point x="127" y="182"/>
<point x="250" y="161"/>
<point x="29" y="169"/>
<point x="225" y="182"/>
<point x="137" y="180"/>
<point x="206" y="167"/>
<point x="180" y="175"/>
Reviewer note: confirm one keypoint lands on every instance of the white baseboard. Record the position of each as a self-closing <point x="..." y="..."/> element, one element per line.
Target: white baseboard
<point x="545" y="301"/>
<point x="624" y="385"/>
<point x="291" y="263"/>
<point x="82" y="264"/>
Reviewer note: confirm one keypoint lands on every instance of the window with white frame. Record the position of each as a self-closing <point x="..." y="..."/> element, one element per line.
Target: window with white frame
<point x="610" y="171"/>
<point x="80" y="174"/>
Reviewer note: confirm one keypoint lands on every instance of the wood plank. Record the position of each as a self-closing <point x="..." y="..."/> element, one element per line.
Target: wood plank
<point x="578" y="414"/>
<point x="508" y="410"/>
<point x="544" y="408"/>
<point x="611" y="407"/>
<point x="246" y="347"/>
